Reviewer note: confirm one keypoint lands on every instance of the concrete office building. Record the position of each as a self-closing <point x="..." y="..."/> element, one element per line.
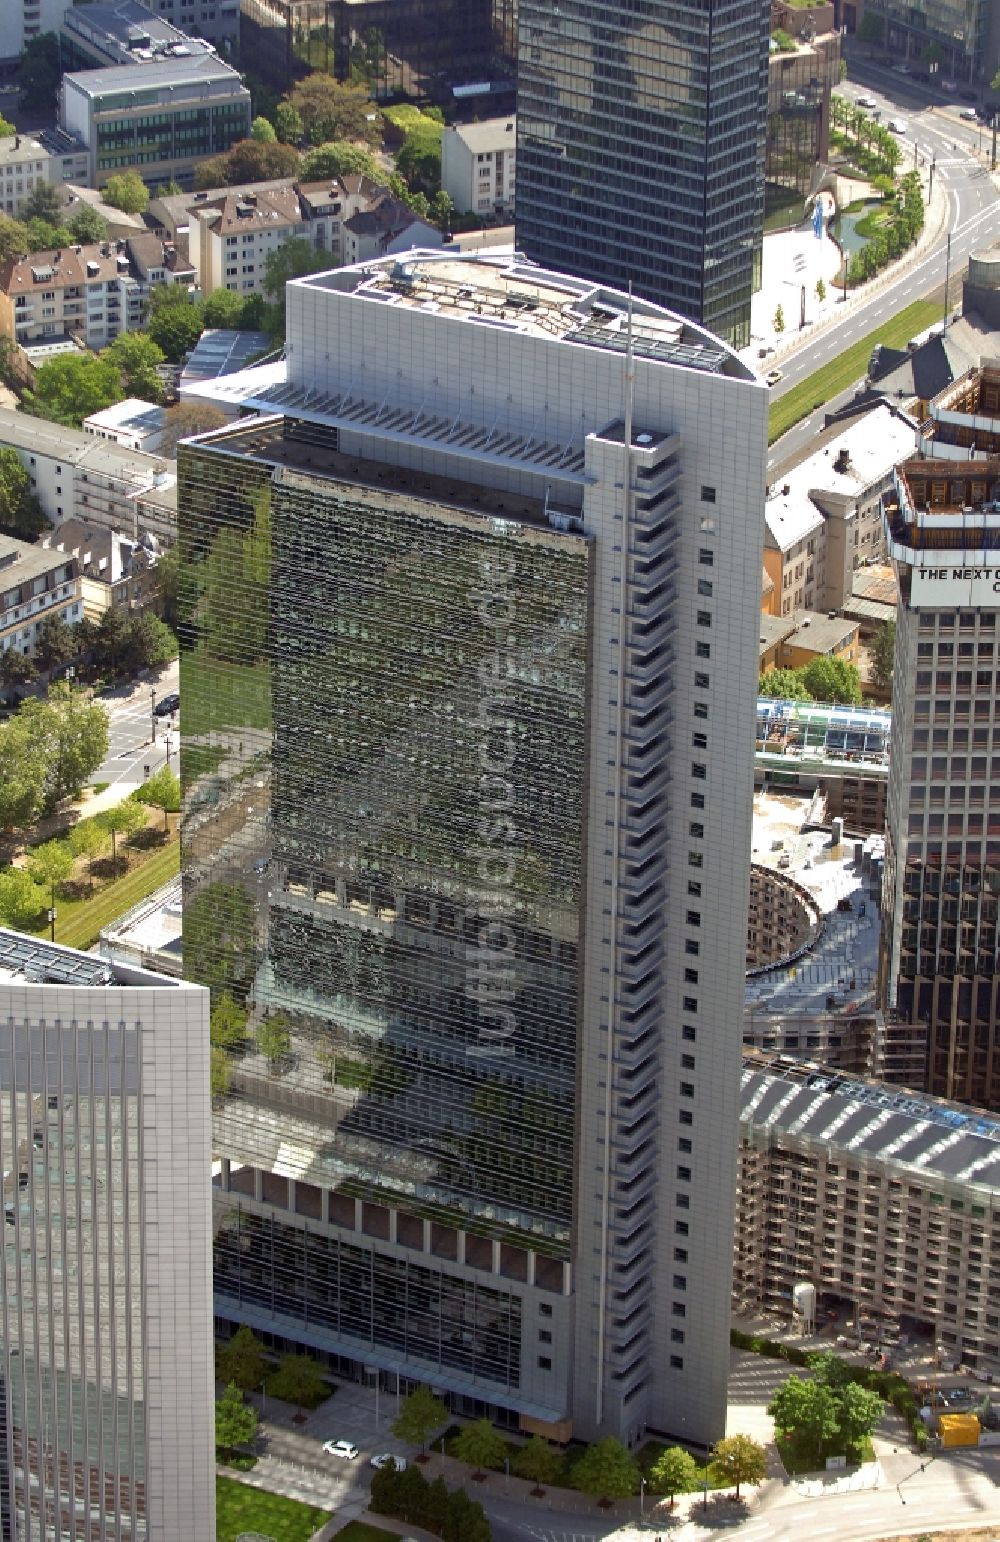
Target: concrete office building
<point x="885" y="1201"/>
<point x="641" y="140"/>
<point x="450" y="673"/>
<point x="106" y="1380"/>
<point x="939" y="984"/>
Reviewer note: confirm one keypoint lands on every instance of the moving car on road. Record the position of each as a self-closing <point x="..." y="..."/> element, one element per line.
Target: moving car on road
<point x="897" y="125"/>
<point x="167" y="705"/>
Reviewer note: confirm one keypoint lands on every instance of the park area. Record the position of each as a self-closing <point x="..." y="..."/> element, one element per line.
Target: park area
<point x="242" y="1510"/>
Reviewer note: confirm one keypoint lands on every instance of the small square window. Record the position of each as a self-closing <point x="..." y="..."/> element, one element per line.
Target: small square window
<point x="708" y="495"/>
<point x="704" y="618"/>
<point x="703" y="650"/>
<point x="684" y="1143"/>
<point x="544" y="1336"/>
<point x="693" y="917"/>
<point x="682" y="1201"/>
<point x="677" y="1335"/>
<point x="705" y="587"/>
<point x="701" y="680"/>
<point x="676" y="1362"/>
<point x="689" y="1004"/>
<point x="699" y="770"/>
<point x="679" y="1309"/>
<point x="544" y="1363"/>
<point x="695" y="859"/>
<point x="687" y="1089"/>
<point x="691" y="976"/>
<point x="697" y="800"/>
<point x="544" y="1309"/>
<point x="699" y="741"/>
<point x="691" y="947"/>
<point x="701" y="709"/>
<point x="680" y="1282"/>
<point x="681" y="1228"/>
<point x="687" y="1062"/>
<point x="689" y="1032"/>
<point x="706" y="557"/>
<point x="696" y="830"/>
<point x="694" y="887"/>
<point x="685" y="1116"/>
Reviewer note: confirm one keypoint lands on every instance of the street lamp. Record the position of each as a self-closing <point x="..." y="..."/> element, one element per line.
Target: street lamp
<point x="152" y="709"/>
<point x="506" y="1473"/>
<point x="52" y="922"/>
<point x="642" y="1498"/>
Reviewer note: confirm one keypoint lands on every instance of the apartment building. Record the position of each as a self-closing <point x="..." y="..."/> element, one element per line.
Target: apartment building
<point x="35" y="584"/>
<point x="495" y="533"/>
<point x="161" y="115"/>
<point x="938" y="978"/>
<point x="823" y="520"/>
<point x="106" y="1382"/>
<point x="885" y="1200"/>
<point x="73" y="473"/>
<point x="28" y="161"/>
<point x="478" y="166"/>
<point x="87" y="293"/>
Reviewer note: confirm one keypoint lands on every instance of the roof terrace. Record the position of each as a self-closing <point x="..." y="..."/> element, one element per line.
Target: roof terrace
<point x="943" y="506"/>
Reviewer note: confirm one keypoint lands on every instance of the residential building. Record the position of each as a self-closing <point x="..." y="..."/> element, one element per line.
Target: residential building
<point x="34" y="584"/>
<point x="938" y="979"/>
<point x="106" y="1363"/>
<point x="136" y="424"/>
<point x="824" y="520"/>
<point x="385" y="226"/>
<point x="27" y="162"/>
<point x="641" y="148"/>
<point x="800" y="81"/>
<point x="161" y="115"/>
<point x="87" y="293"/>
<point x="114" y="569"/>
<point x="886" y="1201"/>
<point x="477" y="166"/>
<point x="497" y="1151"/>
<point x="75" y="473"/>
<point x="818" y="636"/>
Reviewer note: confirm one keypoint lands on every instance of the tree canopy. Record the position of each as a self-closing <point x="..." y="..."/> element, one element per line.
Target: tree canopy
<point x="87" y="226"/>
<point x="292" y="259"/>
<point x="13" y="238"/>
<point x="675" y="1471"/>
<point x="127" y="191"/>
<point x="823" y="679"/>
<point x="537" y="1461"/>
<point x="176" y="326"/>
<point x="21" y="899"/>
<point x="479" y="1444"/>
<point x="420" y="1415"/>
<point x="341" y="159"/>
<point x="249" y="160"/>
<point x="235" y="1421"/>
<point x="47" y="751"/>
<point x="162" y="791"/>
<point x="330" y="109"/>
<point x="43" y="203"/>
<point x="263" y="131"/>
<point x="607" y="1470"/>
<point x="135" y="356"/>
<point x="288" y="123"/>
<point x="809" y="1409"/>
<point x="883" y="654"/>
<point x="241" y="1361"/>
<point x="182" y="421"/>
<point x="20" y="511"/>
<point x="738" y="1459"/>
<point x="299" y="1380"/>
<point x="71" y="387"/>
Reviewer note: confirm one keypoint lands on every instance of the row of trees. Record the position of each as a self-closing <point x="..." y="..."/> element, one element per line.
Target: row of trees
<point x="822" y="679"/>
<point x="449" y="1514"/>
<point x="122" y="643"/>
<point x="891" y="232"/>
<point x="828" y="1413"/>
<point x="875" y="148"/>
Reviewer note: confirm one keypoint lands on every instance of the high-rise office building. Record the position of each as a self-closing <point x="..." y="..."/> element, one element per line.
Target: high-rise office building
<point x="468" y="664"/>
<point x="641" y="134"/>
<point x="106" y="1379"/>
<point x="938" y="978"/>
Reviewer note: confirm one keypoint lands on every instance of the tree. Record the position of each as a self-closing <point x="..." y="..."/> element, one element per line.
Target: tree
<point x="43" y="203"/>
<point x="16" y="669"/>
<point x="807" y="1408"/>
<point x="125" y="820"/>
<point x="779" y="321"/>
<point x="228" y="1022"/>
<point x="288" y="123"/>
<point x="183" y="422"/>
<point x="241" y="1361"/>
<point x="87" y="226"/>
<point x="871" y="29"/>
<point x="39" y="73"/>
<point x="340" y="159"/>
<point x="263" y="132"/>
<point x="332" y="110"/>
<point x="90" y="839"/>
<point x="292" y="259"/>
<point x="299" y="1380"/>
<point x="606" y="1470"/>
<point x="22" y="774"/>
<point x="832" y="679"/>
<point x="859" y="1411"/>
<point x="136" y="356"/>
<point x="738" y="1459"/>
<point x="71" y="387"/>
<point x="46" y="237"/>
<point x="442" y="210"/>
<point x="538" y="1462"/>
<point x="50" y="865"/>
<point x="883" y="653"/>
<point x="420" y="1414"/>
<point x="127" y="191"/>
<point x="13" y="238"/>
<point x="72" y="733"/>
<point x="175" y="328"/>
<point x="783" y="685"/>
<point x="162" y="791"/>
<point x="248" y="161"/>
<point x="55" y="643"/>
<point x="273" y="1040"/>
<point x="7" y="129"/>
<point x="235" y="1421"/>
<point x="21" y="900"/>
<point x="151" y="643"/>
<point x="675" y="1471"/>
<point x="419" y="160"/>
<point x="479" y="1444"/>
<point x="15" y="492"/>
<point x="820" y="290"/>
<point x="223" y="308"/>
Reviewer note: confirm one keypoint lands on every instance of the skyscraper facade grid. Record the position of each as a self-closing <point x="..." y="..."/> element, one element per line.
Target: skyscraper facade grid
<point x="641" y="132"/>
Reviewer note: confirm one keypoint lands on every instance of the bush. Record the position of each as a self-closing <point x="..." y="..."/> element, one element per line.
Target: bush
<point x="407" y="1496"/>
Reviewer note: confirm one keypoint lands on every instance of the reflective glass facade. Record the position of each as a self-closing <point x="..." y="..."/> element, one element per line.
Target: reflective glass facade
<point x="640" y="156"/>
<point x="384" y="866"/>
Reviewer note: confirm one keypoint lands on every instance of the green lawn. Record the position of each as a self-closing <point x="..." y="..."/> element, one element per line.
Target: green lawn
<point x="79" y="922"/>
<point x="360" y="1531"/>
<point x="241" y="1508"/>
<point x="847" y="367"/>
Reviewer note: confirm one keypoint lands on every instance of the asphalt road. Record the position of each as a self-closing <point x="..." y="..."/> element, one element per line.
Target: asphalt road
<point x="130" y="723"/>
<point x="938" y="134"/>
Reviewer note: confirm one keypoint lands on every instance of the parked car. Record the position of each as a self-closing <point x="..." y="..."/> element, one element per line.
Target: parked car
<point x="167" y="704"/>
<point x="971" y="114"/>
<point x="773" y="376"/>
<point x="345" y="1449"/>
<point x="384" y="1458"/>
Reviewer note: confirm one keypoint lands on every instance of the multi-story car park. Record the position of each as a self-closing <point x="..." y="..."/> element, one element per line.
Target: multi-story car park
<point x="885" y="1200"/>
<point x="499" y="1153"/>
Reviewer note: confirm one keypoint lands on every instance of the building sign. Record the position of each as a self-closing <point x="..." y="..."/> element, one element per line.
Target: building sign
<point x="939" y="588"/>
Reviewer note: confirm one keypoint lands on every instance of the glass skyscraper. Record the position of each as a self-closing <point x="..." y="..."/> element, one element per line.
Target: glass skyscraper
<point x="467" y="757"/>
<point x="641" y="131"/>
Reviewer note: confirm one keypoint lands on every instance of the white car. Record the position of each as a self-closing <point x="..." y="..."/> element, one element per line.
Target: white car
<point x="384" y="1458"/>
<point x="897" y="125"/>
<point x="867" y="101"/>
<point x="347" y="1451"/>
<point x="970" y="114"/>
<point x="773" y="376"/>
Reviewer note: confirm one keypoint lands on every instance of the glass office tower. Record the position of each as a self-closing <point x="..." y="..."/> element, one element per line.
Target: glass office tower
<point x="467" y="758"/>
<point x="641" y="134"/>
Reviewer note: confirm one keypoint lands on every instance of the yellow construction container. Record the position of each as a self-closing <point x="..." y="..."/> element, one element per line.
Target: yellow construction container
<point x="959" y="1429"/>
